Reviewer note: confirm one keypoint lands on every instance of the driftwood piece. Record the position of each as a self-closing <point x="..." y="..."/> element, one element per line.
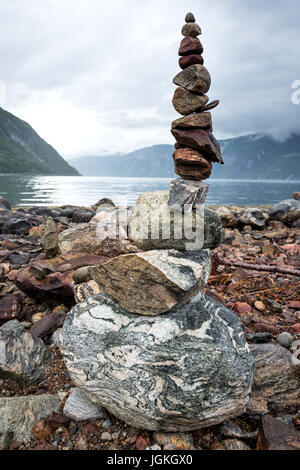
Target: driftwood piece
<point x="257" y="267"/>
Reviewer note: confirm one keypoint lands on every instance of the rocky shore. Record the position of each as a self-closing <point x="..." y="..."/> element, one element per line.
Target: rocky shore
<point x="46" y="256"/>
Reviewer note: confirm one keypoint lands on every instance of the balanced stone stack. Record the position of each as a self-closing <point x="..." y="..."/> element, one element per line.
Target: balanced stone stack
<point x="196" y="147"/>
<point x="152" y="348"/>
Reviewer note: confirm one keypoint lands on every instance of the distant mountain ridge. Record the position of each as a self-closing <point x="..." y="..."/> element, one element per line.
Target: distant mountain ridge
<point x="251" y="156"/>
<point x="22" y="150"/>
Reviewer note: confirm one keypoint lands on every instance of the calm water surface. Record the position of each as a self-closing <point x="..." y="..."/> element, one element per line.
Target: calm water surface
<point x="86" y="190"/>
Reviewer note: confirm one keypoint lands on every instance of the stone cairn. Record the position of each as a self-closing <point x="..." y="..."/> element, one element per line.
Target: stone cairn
<point x="196" y="148"/>
<point x="151" y="347"/>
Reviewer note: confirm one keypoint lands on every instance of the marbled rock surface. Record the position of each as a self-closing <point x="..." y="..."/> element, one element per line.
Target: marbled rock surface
<point x="154" y="282"/>
<point x="19" y="414"/>
<point x="186" y="102"/>
<point x="22" y="357"/>
<point x="152" y="210"/>
<point x="195" y="78"/>
<point x="183" y="192"/>
<point x="198" y="120"/>
<point x="180" y="371"/>
<point x="276" y="379"/>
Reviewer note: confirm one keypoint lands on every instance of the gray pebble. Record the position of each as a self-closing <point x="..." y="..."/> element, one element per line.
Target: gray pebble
<point x="107" y="424"/>
<point x="285" y="339"/>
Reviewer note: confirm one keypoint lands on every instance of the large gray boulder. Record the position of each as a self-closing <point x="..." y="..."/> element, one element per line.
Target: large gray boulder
<point x="19" y="414"/>
<point x="153" y="225"/>
<point x="22" y="357"/>
<point x="154" y="282"/>
<point x="176" y="372"/>
<point x="285" y="211"/>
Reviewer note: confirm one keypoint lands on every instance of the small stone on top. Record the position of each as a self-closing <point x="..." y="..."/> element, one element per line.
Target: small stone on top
<point x="190" y="18"/>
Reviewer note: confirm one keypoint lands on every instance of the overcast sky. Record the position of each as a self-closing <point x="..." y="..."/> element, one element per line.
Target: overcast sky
<point x="95" y="77"/>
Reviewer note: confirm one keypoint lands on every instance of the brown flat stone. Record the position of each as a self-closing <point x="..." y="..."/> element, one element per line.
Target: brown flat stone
<point x="211" y="105"/>
<point x="197" y="121"/>
<point x="190" y="164"/>
<point x="199" y="139"/>
<point x="190" y="46"/>
<point x="193" y="59"/>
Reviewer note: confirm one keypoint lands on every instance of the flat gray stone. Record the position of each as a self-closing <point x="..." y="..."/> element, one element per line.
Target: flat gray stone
<point x="19" y="414"/>
<point x="22" y="357"/>
<point x="153" y="225"/>
<point x="176" y="372"/>
<point x="80" y="408"/>
<point x="187" y="192"/>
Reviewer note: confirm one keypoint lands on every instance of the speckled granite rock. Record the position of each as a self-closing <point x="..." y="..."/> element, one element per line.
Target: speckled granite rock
<point x="19" y="414"/>
<point x="22" y="357"/>
<point x="152" y="210"/>
<point x="153" y="282"/>
<point x="180" y="371"/>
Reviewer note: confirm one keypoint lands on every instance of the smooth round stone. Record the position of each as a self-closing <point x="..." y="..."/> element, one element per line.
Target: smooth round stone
<point x="193" y="59"/>
<point x="285" y="339"/>
<point x="180" y="371"/>
<point x="190" y="46"/>
<point x="191" y="29"/>
<point x="190" y="18"/>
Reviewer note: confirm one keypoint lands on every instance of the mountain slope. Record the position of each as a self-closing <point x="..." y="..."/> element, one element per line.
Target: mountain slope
<point x="247" y="157"/>
<point x="23" y="151"/>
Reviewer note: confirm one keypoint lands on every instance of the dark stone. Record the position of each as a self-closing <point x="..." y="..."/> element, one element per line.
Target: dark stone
<point x="259" y="338"/>
<point x="18" y="227"/>
<point x="211" y="105"/>
<point x="190" y="46"/>
<point x="277" y="435"/>
<point x="190" y="18"/>
<point x="193" y="59"/>
<point x="48" y="324"/>
<point x="4" y="204"/>
<point x="81" y="216"/>
<point x="11" y="307"/>
<point x="201" y="140"/>
<point x="19" y="258"/>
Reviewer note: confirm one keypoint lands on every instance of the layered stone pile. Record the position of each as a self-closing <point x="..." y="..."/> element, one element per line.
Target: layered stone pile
<point x="151" y="347"/>
<point x="196" y="147"/>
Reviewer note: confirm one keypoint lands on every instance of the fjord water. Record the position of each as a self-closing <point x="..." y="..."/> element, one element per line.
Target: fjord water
<point x="21" y="190"/>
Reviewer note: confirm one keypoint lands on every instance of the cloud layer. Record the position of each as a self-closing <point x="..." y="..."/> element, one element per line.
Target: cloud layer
<point x="95" y="77"/>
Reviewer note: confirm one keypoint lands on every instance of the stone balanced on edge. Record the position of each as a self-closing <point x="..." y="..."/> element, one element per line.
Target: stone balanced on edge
<point x="196" y="147"/>
<point x="152" y="348"/>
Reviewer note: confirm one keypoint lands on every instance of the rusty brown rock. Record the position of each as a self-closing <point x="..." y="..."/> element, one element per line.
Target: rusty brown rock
<point x="187" y="61"/>
<point x="189" y="46"/>
<point x="191" y="164"/>
<point x="48" y="324"/>
<point x="277" y="435"/>
<point x="11" y="307"/>
<point x="211" y="105"/>
<point x="201" y="140"/>
<point x="197" y="121"/>
<point x="195" y="78"/>
<point x="186" y="102"/>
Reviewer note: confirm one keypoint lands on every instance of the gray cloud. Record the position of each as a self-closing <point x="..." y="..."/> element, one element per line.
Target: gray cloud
<point x="96" y="76"/>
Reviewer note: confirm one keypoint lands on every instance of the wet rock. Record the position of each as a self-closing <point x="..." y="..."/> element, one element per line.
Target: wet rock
<point x="276" y="435"/>
<point x="286" y="211"/>
<point x="19" y="414"/>
<point x="190" y="164"/>
<point x="80" y="408"/>
<point x="227" y="217"/>
<point x="235" y="444"/>
<point x="193" y="59"/>
<point x="22" y="357"/>
<point x="285" y="340"/>
<point x="195" y="78"/>
<point x="186" y="102"/>
<point x="254" y="217"/>
<point x="276" y="379"/>
<point x="203" y="141"/>
<point x="186" y="192"/>
<point x="189" y="46"/>
<point x="50" y="239"/>
<point x="154" y="282"/>
<point x="191" y="29"/>
<point x="129" y="364"/>
<point x="11" y="307"/>
<point x="197" y="121"/>
<point x="152" y="210"/>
